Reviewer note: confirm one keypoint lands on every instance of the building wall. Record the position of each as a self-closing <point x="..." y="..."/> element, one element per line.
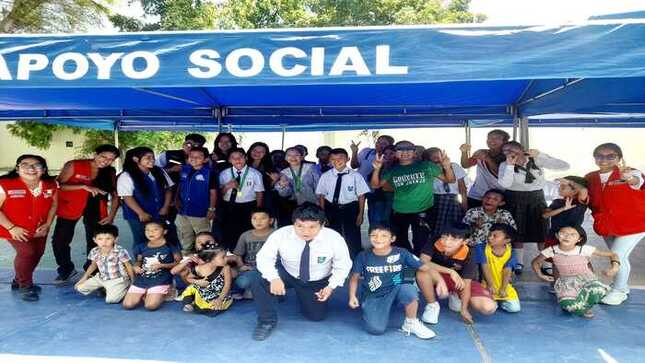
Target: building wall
<point x="58" y="153"/>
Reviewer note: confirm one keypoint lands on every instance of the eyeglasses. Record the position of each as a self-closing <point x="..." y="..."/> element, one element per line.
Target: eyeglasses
<point x="37" y="166"/>
<point x="608" y="157"/>
<point x="191" y="144"/>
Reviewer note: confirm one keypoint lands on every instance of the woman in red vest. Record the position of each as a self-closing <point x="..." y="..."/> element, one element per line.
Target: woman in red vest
<point x="85" y="186"/>
<point x="28" y="197"/>
<point x="617" y="201"/>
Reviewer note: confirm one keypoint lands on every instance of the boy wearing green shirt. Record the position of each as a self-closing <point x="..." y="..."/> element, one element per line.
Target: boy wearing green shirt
<point x="412" y="182"/>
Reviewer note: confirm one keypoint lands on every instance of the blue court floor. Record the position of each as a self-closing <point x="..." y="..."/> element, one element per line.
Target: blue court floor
<point x="64" y="324"/>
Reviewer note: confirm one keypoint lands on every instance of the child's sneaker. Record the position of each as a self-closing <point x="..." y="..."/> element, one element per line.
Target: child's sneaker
<point x="454" y="303"/>
<point x="237" y="296"/>
<point x="416" y="327"/>
<point x="61" y="280"/>
<point x="614" y="297"/>
<point x="431" y="313"/>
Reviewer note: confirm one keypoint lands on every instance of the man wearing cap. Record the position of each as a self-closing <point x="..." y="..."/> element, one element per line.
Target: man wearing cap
<point x="311" y="259"/>
<point x="412" y="182"/>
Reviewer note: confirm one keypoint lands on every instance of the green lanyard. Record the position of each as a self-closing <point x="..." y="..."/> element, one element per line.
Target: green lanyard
<point x="241" y="186"/>
<point x="296" y="178"/>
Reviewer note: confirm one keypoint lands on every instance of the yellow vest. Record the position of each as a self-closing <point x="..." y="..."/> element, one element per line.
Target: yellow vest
<point x="496" y="265"/>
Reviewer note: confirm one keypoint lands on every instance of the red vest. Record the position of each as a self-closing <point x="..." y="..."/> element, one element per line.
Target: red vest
<point x="22" y="208"/>
<point x="71" y="203"/>
<point x="618" y="210"/>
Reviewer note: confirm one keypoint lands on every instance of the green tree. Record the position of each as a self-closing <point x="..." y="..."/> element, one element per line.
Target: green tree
<point x="157" y="141"/>
<point x="53" y="16"/>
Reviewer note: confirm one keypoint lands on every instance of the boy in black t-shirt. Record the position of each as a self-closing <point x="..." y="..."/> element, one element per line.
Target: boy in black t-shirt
<point x="452" y="258"/>
<point x="382" y="271"/>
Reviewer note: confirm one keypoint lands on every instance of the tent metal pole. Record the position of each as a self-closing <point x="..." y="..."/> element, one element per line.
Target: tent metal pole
<point x="468" y="132"/>
<point x="218" y="115"/>
<point x="524" y="132"/>
<point x="284" y="132"/>
<point x="116" y="143"/>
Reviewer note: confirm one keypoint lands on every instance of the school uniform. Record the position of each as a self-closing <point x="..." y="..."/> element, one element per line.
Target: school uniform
<point x="239" y="203"/>
<point x="341" y="191"/>
<point x="301" y="189"/>
<point x="306" y="266"/>
<point x="446" y="209"/>
<point x="524" y="194"/>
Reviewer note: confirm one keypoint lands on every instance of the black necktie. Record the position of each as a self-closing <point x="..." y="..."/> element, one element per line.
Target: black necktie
<point x="304" y="263"/>
<point x="234" y="191"/>
<point x="339" y="182"/>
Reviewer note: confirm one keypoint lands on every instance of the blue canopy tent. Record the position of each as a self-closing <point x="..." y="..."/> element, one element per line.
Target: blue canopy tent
<point x="590" y="74"/>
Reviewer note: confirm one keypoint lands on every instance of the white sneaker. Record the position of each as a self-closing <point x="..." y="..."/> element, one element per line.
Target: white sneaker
<point x="417" y="328"/>
<point x="454" y="303"/>
<point x="614" y="297"/>
<point x="431" y="313"/>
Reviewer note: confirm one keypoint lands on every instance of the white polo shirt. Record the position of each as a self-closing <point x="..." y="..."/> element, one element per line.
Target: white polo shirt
<point x="251" y="184"/>
<point x="328" y="255"/>
<point x="460" y="173"/>
<point x="352" y="186"/>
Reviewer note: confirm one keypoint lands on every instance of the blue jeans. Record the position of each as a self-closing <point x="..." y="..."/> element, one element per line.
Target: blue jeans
<point x="138" y="232"/>
<point x="376" y="310"/>
<point x="245" y="279"/>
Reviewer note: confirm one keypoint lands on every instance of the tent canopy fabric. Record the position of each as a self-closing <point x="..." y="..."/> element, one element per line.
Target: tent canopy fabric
<point x="590" y="74"/>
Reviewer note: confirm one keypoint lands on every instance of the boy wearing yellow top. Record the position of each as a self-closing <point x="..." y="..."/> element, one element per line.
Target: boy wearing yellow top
<point x="497" y="260"/>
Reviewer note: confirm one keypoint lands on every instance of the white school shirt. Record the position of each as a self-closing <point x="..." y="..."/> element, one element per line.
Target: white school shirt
<point x="484" y="181"/>
<point x="125" y="184"/>
<point x="511" y="180"/>
<point x="437" y="184"/>
<point x="352" y="186"/>
<point x="252" y="184"/>
<point x="328" y="255"/>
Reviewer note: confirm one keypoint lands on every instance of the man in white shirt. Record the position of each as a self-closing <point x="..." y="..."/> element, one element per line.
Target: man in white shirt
<point x="306" y="256"/>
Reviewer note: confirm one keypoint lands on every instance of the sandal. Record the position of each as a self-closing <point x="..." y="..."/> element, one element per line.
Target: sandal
<point x="519" y="268"/>
<point x="588" y="314"/>
<point x="188" y="308"/>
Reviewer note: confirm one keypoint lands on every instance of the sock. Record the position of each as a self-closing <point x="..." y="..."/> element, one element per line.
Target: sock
<point x="519" y="253"/>
<point x="432" y="304"/>
<point x="410" y="320"/>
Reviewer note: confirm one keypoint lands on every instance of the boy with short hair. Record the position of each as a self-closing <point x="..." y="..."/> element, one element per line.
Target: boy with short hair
<point x="497" y="260"/>
<point x="382" y="284"/>
<point x="453" y="259"/>
<point x="196" y="198"/>
<point x="115" y="272"/>
<point x="248" y="246"/>
<point x="480" y="219"/>
<point x="342" y="195"/>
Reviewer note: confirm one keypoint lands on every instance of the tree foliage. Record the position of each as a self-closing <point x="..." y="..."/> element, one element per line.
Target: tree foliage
<point x="52" y="16"/>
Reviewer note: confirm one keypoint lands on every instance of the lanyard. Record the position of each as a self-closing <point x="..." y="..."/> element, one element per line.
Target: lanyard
<point x="239" y="191"/>
<point x="296" y="178"/>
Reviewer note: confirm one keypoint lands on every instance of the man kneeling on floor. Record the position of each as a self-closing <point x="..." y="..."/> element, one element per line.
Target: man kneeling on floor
<point x="307" y="257"/>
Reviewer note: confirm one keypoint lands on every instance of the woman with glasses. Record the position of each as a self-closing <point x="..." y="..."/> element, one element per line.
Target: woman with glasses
<point x="617" y="202"/>
<point x="522" y="175"/>
<point x="28" y="199"/>
<point x="86" y="186"/>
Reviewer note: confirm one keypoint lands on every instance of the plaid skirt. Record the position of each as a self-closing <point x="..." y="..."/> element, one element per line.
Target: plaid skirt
<point x="527" y="209"/>
<point x="445" y="211"/>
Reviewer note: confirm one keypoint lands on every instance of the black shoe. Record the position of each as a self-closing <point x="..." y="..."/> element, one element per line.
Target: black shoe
<point x="29" y="294"/>
<point x="547" y="271"/>
<point x="263" y="330"/>
<point x="64" y="279"/>
<point x="15" y="287"/>
<point x="519" y="268"/>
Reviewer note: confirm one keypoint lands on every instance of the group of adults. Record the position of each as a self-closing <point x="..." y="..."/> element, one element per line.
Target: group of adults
<point x="410" y="188"/>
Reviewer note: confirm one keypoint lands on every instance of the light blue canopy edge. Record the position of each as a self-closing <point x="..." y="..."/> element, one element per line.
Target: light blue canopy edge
<point x="589" y="74"/>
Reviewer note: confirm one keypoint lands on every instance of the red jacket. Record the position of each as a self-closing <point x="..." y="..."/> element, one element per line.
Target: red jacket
<point x="22" y="208"/>
<point x="71" y="203"/>
<point x="617" y="209"/>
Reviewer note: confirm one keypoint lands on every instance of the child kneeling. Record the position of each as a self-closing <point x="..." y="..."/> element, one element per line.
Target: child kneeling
<point x="210" y="283"/>
<point x="382" y="271"/>
<point x="578" y="289"/>
<point x="497" y="261"/>
<point x="113" y="263"/>
<point x="154" y="261"/>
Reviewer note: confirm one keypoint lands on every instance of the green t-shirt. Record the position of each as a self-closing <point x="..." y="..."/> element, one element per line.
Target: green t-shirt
<point x="412" y="186"/>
